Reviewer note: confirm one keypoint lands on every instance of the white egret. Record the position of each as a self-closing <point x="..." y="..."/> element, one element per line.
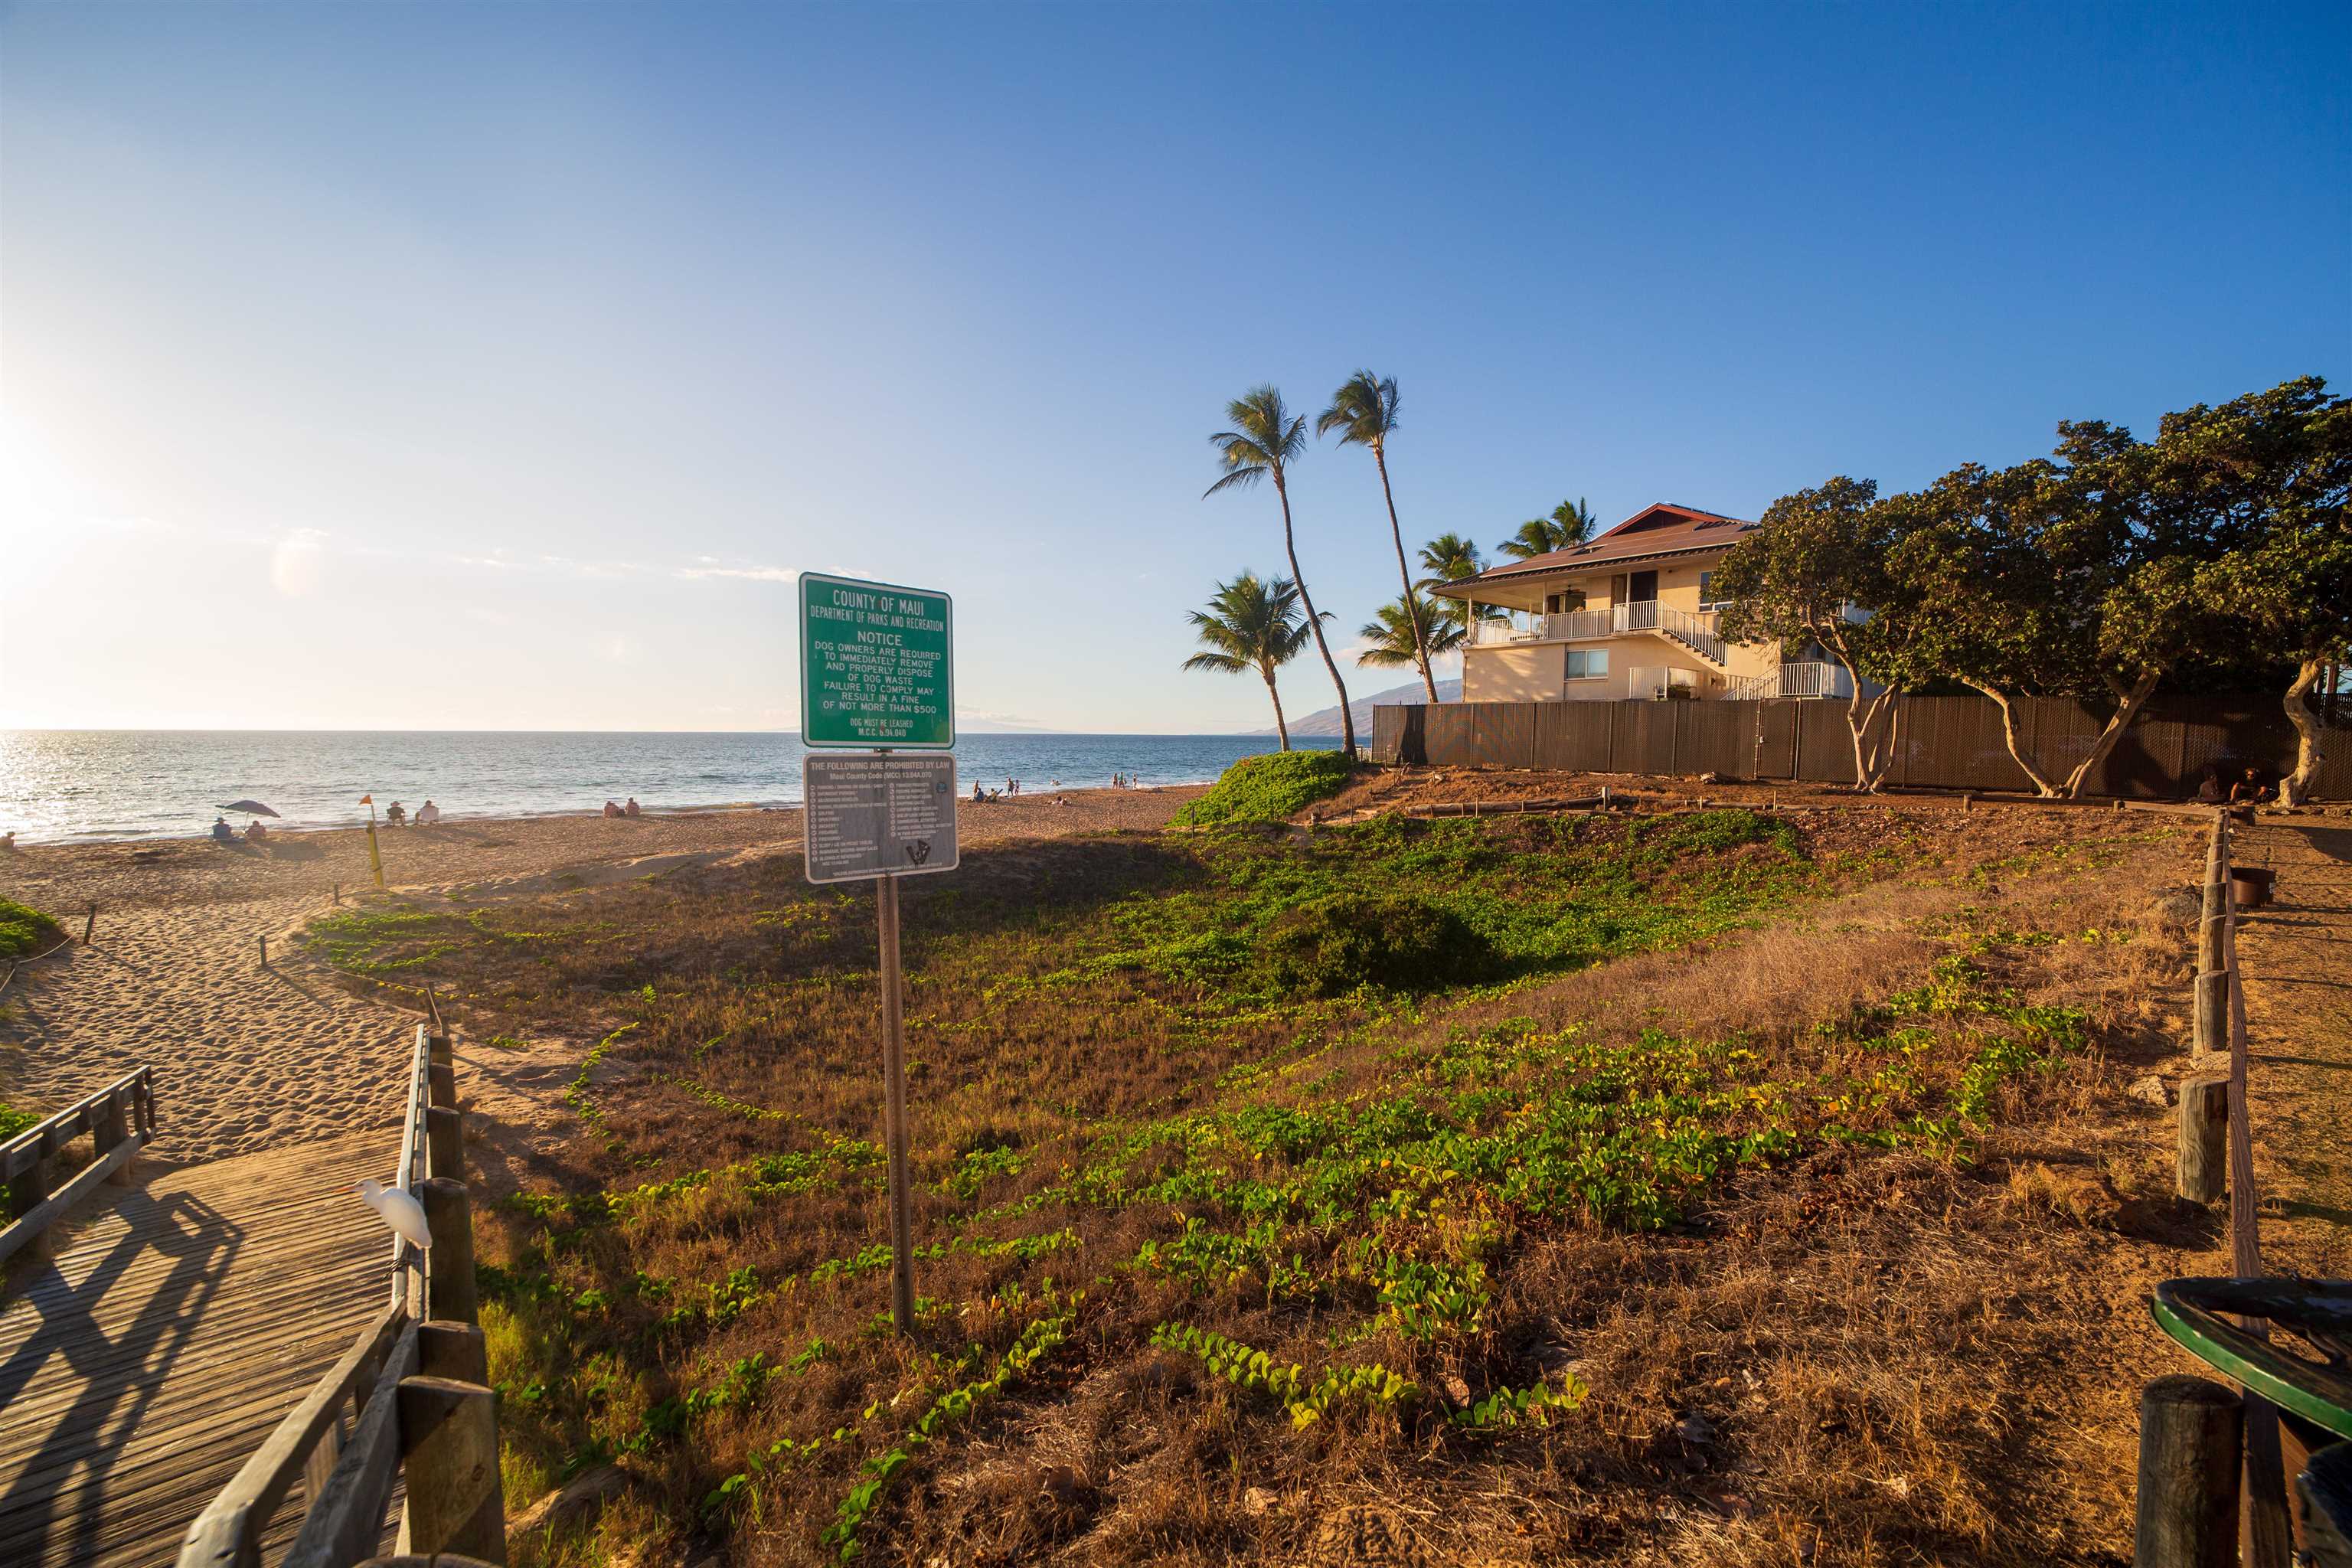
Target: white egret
<point x="397" y="1209"/>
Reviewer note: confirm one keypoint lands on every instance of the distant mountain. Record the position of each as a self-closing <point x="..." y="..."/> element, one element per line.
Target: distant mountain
<point x="1326" y="721"/>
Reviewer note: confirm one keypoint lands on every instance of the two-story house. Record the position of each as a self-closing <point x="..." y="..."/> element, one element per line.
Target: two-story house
<point x="1631" y="614"/>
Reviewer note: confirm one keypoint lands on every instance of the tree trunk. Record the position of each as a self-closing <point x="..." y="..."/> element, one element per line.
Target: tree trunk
<point x="1315" y="622"/>
<point x="1869" y="765"/>
<point x="2128" y="702"/>
<point x="1281" y="725"/>
<point x="2042" y="786"/>
<point x="1404" y="574"/>
<point x="2309" y="748"/>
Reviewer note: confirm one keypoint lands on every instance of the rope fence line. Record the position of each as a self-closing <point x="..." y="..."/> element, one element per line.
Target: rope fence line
<point x="2213" y="1468"/>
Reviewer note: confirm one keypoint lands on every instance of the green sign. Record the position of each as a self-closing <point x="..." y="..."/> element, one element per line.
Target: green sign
<point x="878" y="664"/>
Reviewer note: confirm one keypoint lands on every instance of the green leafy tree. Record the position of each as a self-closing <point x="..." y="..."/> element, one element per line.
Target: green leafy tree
<point x="1264" y="440"/>
<point x="1404" y="631"/>
<point x="1816" y="572"/>
<point x="1251" y="624"/>
<point x="2099" y="571"/>
<point x="2277" y="467"/>
<point x="1364" y="412"/>
<point x="1572" y="523"/>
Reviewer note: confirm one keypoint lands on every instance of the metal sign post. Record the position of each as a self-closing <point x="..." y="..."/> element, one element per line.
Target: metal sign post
<point x="893" y="1072"/>
<point x="877" y="670"/>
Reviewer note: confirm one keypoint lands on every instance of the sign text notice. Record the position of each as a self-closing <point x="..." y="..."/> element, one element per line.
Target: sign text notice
<point x="877" y="665"/>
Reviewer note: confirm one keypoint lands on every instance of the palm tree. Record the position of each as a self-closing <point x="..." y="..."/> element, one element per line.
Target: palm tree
<point x="1264" y="440"/>
<point x="1570" y="525"/>
<point x="1407" y="631"/>
<point x="1451" y="558"/>
<point x="1364" y="412"/>
<point x="1250" y="624"/>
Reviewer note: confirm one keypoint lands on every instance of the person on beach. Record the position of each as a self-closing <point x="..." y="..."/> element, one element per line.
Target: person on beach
<point x="254" y="832"/>
<point x="630" y="809"/>
<point x="395" y="815"/>
<point x="2250" y="790"/>
<point x="979" y="795"/>
<point x="428" y="814"/>
<point x="612" y="810"/>
<point x="221" y="832"/>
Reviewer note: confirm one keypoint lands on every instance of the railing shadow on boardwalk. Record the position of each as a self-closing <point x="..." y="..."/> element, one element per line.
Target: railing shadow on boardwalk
<point x="121" y="1376"/>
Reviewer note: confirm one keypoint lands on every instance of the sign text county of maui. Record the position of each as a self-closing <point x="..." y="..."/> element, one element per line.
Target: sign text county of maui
<point x="876" y="664"/>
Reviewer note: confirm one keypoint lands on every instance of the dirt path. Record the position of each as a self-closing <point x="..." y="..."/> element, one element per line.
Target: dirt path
<point x="2297" y="960"/>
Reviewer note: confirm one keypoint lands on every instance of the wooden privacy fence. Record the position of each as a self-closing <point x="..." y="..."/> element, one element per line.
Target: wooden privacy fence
<point x="121" y="1121"/>
<point x="1951" y="742"/>
<point x="410" y="1401"/>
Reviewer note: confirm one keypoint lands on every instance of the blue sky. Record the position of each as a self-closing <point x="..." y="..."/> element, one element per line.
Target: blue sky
<point x="498" y="366"/>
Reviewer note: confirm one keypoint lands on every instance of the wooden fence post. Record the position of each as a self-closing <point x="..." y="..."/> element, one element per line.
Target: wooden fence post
<point x="89" y="924"/>
<point x="264" y="950"/>
<point x="2190" y="1431"/>
<point x="445" y="1143"/>
<point x="441" y="1082"/>
<point x="449" y="1451"/>
<point x="2204" y="1134"/>
<point x="455" y="1351"/>
<point x="113" y="1127"/>
<point x="449" y="1261"/>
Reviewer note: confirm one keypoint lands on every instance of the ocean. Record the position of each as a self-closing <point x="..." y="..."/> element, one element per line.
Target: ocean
<point x="66" y="786"/>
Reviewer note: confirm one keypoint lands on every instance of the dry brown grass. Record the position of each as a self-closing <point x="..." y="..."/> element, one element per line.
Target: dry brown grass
<point x="1860" y="1356"/>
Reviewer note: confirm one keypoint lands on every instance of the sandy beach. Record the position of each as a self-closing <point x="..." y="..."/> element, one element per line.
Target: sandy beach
<point x="249" y="1058"/>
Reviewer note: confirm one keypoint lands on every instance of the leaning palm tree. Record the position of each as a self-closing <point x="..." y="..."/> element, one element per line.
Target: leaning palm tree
<point x="1451" y="558"/>
<point x="1570" y="525"/>
<point x="1250" y="624"/>
<point x="1404" y="631"/>
<point x="1264" y="440"/>
<point x="1364" y="412"/>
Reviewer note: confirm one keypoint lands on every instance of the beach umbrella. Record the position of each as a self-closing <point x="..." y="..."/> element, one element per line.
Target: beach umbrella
<point x="254" y="806"/>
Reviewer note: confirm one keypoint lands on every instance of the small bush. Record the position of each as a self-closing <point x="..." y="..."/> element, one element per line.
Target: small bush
<point x="24" y="931"/>
<point x="1334" y="944"/>
<point x="1271" y="787"/>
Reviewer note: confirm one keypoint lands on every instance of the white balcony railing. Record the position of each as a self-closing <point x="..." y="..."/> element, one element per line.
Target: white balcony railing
<point x="1695" y="630"/>
<point x="1809" y="679"/>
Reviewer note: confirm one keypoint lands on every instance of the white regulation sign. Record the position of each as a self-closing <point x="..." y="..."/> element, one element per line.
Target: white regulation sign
<point x="875" y="815"/>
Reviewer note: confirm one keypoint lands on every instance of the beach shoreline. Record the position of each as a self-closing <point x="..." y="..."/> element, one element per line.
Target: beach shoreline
<point x="250" y="1058"/>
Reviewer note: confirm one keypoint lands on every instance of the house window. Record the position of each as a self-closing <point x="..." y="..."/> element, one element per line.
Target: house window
<point x="1706" y="599"/>
<point x="1563" y="602"/>
<point x="1588" y="664"/>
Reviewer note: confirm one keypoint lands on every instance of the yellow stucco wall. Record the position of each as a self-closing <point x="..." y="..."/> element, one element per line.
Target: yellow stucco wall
<point x="1532" y="673"/>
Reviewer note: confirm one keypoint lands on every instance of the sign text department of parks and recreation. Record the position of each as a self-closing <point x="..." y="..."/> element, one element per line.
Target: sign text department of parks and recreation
<point x="877" y="665"/>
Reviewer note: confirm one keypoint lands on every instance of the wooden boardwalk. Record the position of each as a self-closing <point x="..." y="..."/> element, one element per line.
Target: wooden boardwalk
<point x="169" y="1336"/>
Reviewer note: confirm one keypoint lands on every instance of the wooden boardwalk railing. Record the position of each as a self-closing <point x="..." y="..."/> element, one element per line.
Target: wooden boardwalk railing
<point x="121" y="1121"/>
<point x="408" y="1402"/>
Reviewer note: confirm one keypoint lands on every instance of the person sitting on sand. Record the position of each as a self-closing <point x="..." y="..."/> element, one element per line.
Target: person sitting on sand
<point x="428" y="814"/>
<point x="221" y="832"/>
<point x="8" y="839"/>
<point x="630" y="809"/>
<point x="979" y="795"/>
<point x="396" y="813"/>
<point x="612" y="810"/>
<point x="254" y="832"/>
<point x="2251" y="789"/>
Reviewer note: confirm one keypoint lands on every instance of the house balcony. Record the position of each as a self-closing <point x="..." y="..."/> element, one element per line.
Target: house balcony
<point x="1693" y="629"/>
<point x="1806" y="680"/>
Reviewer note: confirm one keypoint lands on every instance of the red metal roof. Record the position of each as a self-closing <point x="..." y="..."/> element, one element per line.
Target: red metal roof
<point x="1659" y="528"/>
